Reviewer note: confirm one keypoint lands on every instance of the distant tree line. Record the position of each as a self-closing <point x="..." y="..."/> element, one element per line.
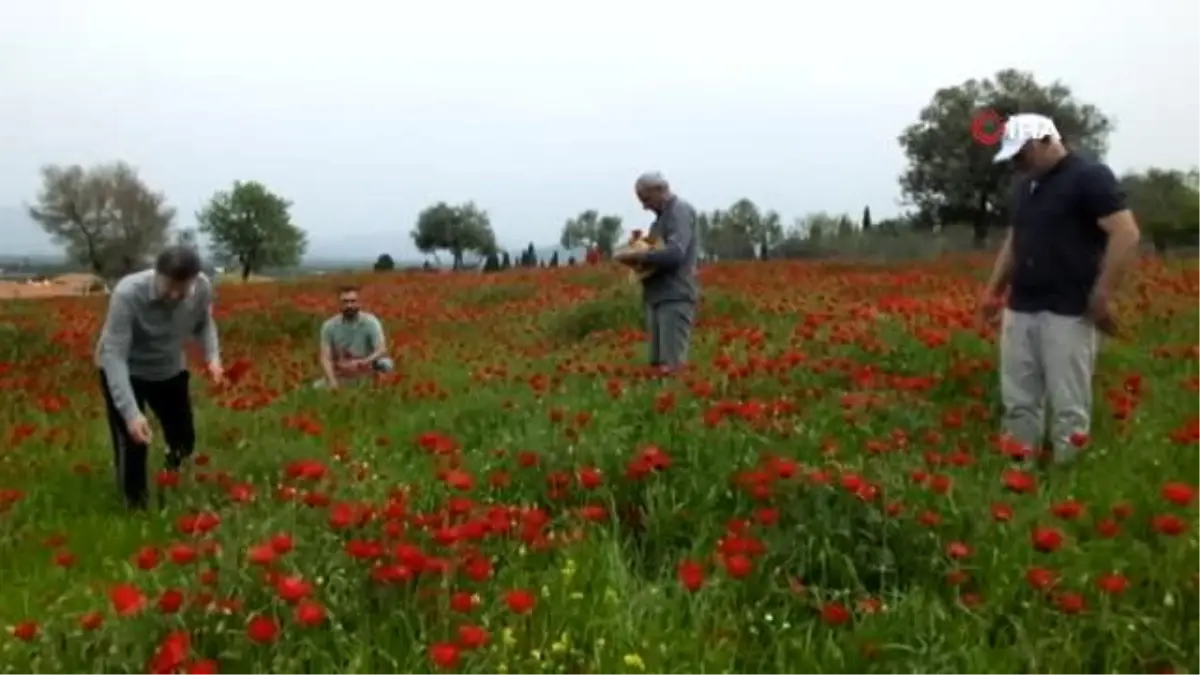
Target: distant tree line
<point x="110" y="222"/>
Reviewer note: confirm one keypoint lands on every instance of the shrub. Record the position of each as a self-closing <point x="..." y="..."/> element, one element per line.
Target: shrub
<point x="619" y="308"/>
<point x="495" y="294"/>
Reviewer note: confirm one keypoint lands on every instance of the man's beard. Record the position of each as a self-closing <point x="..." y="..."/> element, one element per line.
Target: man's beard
<point x="349" y="314"/>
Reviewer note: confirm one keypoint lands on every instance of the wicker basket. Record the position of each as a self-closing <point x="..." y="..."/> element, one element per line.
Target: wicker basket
<point x="639" y="271"/>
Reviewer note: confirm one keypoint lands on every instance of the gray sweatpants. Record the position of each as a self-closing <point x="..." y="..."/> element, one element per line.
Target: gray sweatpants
<point x="1047" y="358"/>
<point x="669" y="332"/>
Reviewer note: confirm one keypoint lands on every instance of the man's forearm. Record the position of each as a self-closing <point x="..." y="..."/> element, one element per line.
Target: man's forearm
<point x="210" y="341"/>
<point x="1002" y="269"/>
<point x="327" y="367"/>
<point x="116" y="378"/>
<point x="1118" y="255"/>
<point x="668" y="257"/>
<point x="115" y="340"/>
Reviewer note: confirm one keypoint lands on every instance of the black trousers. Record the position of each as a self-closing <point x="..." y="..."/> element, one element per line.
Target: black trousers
<point x="172" y="405"/>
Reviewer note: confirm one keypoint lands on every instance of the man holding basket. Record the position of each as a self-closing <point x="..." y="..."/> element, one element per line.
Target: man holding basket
<point x="668" y="271"/>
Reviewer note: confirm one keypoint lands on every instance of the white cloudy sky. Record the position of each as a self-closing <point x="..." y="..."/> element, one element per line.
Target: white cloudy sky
<point x="364" y="111"/>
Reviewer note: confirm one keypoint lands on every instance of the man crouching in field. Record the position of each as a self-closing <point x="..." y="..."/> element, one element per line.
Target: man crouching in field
<point x="352" y="343"/>
<point x="670" y="292"/>
<point x="142" y="363"/>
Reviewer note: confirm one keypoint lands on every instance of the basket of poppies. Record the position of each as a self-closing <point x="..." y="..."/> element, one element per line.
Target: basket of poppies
<point x="638" y="243"/>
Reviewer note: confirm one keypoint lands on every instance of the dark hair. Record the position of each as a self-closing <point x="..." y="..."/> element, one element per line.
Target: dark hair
<point x="349" y="288"/>
<point x="178" y="263"/>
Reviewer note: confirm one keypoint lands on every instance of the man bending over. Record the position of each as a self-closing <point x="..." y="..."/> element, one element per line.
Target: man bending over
<point x="352" y="343"/>
<point x="151" y="314"/>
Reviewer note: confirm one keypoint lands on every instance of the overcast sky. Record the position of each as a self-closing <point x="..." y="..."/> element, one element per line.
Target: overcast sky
<point x="363" y="112"/>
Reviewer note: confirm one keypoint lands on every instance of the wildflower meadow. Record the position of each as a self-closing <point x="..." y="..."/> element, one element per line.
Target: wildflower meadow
<point x="824" y="489"/>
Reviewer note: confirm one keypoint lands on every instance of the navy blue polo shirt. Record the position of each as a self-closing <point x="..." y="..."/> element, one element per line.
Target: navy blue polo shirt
<point x="1057" y="243"/>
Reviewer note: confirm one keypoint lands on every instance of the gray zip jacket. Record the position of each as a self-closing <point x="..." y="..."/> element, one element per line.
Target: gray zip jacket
<point x="144" y="335"/>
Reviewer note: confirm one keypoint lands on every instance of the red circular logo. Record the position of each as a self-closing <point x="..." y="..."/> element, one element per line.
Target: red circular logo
<point x="987" y="127"/>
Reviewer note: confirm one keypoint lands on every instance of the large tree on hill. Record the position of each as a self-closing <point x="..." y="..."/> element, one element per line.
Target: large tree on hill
<point x="454" y="228"/>
<point x="821" y="224"/>
<point x="251" y="226"/>
<point x="708" y="226"/>
<point x="741" y="232"/>
<point x="769" y="233"/>
<point x="105" y="217"/>
<point x="736" y="230"/>
<point x="951" y="178"/>
<point x="590" y="229"/>
<point x="1166" y="204"/>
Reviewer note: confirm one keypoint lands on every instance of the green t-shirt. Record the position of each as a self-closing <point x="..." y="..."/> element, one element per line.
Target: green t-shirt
<point x="352" y="339"/>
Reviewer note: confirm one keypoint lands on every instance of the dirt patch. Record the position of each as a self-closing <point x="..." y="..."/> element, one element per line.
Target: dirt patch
<point x="78" y="279"/>
<point x="79" y="284"/>
<point x="66" y="285"/>
<point x="12" y="290"/>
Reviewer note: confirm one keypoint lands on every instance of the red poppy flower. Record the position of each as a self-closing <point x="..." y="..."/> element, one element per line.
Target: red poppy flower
<point x="292" y="589"/>
<point x="126" y="599"/>
<point x="472" y="637"/>
<point x="26" y="631"/>
<point x="834" y="614"/>
<point x="1047" y="539"/>
<point x="444" y="655"/>
<point x="520" y="601"/>
<point x="1112" y="583"/>
<point x="1179" y="494"/>
<point x="309" y="613"/>
<point x="262" y="630"/>
<point x="691" y="575"/>
<point x="170" y="601"/>
<point x="171" y="653"/>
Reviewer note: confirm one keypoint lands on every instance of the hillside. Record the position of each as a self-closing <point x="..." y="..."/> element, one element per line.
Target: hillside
<point x="22" y="236"/>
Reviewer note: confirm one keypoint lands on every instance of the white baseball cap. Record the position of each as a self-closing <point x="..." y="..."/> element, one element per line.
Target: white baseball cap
<point x="1022" y="128"/>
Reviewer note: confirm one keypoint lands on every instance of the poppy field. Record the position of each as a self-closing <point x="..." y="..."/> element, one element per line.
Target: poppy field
<point x="823" y="490"/>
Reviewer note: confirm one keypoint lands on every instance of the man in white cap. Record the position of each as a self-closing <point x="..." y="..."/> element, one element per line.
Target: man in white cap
<point x="671" y="292"/>
<point x="1071" y="240"/>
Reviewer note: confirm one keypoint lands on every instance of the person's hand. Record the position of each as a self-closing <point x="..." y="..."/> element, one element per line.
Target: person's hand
<point x="216" y="372"/>
<point x="988" y="311"/>
<point x="331" y="383"/>
<point x="1100" y="312"/>
<point x="139" y="430"/>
